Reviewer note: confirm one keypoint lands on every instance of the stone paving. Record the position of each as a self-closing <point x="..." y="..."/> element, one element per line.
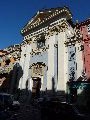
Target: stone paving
<point x="26" y="112"/>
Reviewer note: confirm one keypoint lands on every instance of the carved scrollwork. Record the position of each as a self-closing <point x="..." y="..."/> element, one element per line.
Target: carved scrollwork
<point x="58" y="28"/>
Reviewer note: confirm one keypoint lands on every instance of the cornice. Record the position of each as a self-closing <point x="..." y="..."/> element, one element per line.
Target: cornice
<point x="54" y="28"/>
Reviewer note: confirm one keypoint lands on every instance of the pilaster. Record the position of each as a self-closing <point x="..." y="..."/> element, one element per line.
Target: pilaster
<point x="22" y="61"/>
<point x="79" y="59"/>
<point x="62" y="62"/>
<point x="26" y="66"/>
<point x="50" y="72"/>
<point x="26" y="62"/>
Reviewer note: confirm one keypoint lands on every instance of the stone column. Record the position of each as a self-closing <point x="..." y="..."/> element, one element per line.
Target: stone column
<point x="50" y="71"/>
<point x="22" y="60"/>
<point x="25" y="60"/>
<point x="44" y="80"/>
<point x="62" y="62"/>
<point x="56" y="62"/>
<point x="26" y="66"/>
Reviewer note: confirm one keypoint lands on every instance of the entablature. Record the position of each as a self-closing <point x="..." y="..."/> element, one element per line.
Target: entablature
<point x="53" y="28"/>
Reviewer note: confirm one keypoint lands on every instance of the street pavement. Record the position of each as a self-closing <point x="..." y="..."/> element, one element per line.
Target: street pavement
<point x="26" y="112"/>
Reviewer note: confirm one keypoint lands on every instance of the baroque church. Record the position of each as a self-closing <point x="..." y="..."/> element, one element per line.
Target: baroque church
<point x="53" y="59"/>
<point x="50" y="52"/>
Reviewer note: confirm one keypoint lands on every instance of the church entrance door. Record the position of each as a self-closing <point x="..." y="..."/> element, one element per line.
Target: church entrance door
<point x="36" y="87"/>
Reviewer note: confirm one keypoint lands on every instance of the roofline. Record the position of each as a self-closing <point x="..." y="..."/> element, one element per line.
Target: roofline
<point x="3" y="51"/>
<point x="83" y="23"/>
<point x="62" y="9"/>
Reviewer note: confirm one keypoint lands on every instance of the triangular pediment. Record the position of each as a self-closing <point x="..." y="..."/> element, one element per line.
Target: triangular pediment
<point x="45" y="15"/>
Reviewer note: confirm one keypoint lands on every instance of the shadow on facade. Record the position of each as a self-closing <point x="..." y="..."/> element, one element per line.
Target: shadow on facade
<point x="26" y="96"/>
<point x="4" y="86"/>
<point x="61" y="95"/>
<point x="10" y="85"/>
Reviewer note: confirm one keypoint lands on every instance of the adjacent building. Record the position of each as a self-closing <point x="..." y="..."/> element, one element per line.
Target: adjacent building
<point x="9" y="58"/>
<point x="79" y="91"/>
<point x="84" y="28"/>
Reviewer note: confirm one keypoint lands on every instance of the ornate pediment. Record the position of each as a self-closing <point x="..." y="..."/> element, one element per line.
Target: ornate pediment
<point x="46" y="15"/>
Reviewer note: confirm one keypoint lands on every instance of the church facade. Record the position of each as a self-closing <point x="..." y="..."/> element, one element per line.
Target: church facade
<point x="50" y="51"/>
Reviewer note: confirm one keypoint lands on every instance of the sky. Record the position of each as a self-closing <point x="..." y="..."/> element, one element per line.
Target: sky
<point x="14" y="14"/>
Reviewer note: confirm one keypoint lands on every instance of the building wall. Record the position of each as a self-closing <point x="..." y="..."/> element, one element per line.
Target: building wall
<point x="79" y="59"/>
<point x="86" y="51"/>
<point x="72" y="62"/>
<point x="8" y="70"/>
<point x="40" y="58"/>
<point x="56" y="58"/>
